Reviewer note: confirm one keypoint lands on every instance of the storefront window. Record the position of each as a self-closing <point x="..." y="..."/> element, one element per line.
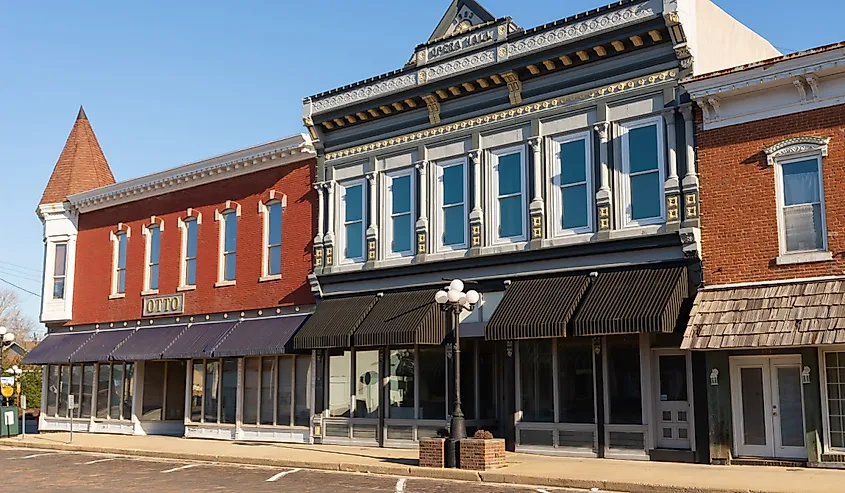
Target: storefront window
<point x="87" y="390"/>
<point x="284" y="390"/>
<point x="52" y="389"/>
<point x="468" y="379"/>
<point x="128" y="380"/>
<point x="623" y="376"/>
<point x="251" y="369"/>
<point x="229" y="392"/>
<point x="835" y="367"/>
<point x="537" y="381"/>
<point x="339" y="384"/>
<point x="401" y="384"/>
<point x="211" y="391"/>
<point x="302" y="397"/>
<point x="116" y="390"/>
<point x="267" y="371"/>
<point x="432" y="384"/>
<point x="366" y="384"/>
<point x="575" y="380"/>
<point x="153" y="390"/>
<point x="64" y="387"/>
<point x="196" y="390"/>
<point x="76" y="389"/>
<point x="174" y="394"/>
<point x="487" y="372"/>
<point x="103" y="390"/>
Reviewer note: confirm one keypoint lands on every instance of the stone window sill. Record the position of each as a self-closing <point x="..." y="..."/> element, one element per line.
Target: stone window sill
<point x="186" y="288"/>
<point x="223" y="284"/>
<point x="804" y="258"/>
<point x="271" y="277"/>
<point x="117" y="296"/>
<point x="148" y="292"/>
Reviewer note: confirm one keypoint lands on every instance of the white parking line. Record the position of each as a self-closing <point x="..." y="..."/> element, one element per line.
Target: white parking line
<point x="540" y="490"/>
<point x="34" y="455"/>
<point x="400" y="485"/>
<point x="282" y="474"/>
<point x="181" y="467"/>
<point x="97" y="461"/>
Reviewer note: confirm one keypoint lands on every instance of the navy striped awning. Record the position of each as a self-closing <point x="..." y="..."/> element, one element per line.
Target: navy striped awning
<point x="403" y="318"/>
<point x="100" y="346"/>
<point x="56" y="348"/>
<point x="646" y="298"/>
<point x="198" y="340"/>
<point x="537" y="308"/>
<point x="333" y="322"/>
<point x="147" y="343"/>
<point x="259" y="336"/>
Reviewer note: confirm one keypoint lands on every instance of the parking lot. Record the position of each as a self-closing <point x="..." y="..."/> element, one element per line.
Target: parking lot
<point x="71" y="472"/>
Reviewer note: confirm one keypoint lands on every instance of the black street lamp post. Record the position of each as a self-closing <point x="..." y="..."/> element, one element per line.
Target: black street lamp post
<point x="454" y="301"/>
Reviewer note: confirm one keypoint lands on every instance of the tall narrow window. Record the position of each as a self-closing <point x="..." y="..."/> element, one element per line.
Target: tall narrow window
<point x="230" y="236"/>
<point x="352" y="213"/>
<point x="302" y="391"/>
<point x="274" y="238"/>
<point x="120" y="264"/>
<point x="642" y="163"/>
<point x="573" y="180"/>
<point x="59" y="271"/>
<point x="153" y="255"/>
<point x="103" y="375"/>
<point x="509" y="185"/>
<point x="452" y="224"/>
<point x="189" y="269"/>
<point x="252" y="370"/>
<point x="801" y="202"/>
<point x="401" y="221"/>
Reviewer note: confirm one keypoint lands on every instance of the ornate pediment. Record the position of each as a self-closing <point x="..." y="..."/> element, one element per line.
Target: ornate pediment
<point x="795" y="146"/>
<point x="460" y="17"/>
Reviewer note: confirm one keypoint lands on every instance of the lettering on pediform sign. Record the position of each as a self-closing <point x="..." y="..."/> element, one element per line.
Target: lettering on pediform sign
<point x="169" y="304"/>
<point x="459" y="44"/>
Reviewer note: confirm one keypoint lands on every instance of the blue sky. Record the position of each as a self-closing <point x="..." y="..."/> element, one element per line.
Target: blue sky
<point x="166" y="83"/>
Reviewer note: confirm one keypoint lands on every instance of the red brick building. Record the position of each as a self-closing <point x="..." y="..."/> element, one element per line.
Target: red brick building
<point x="771" y="161"/>
<point x="170" y="298"/>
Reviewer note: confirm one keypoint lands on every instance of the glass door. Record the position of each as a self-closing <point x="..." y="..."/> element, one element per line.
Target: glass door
<point x="673" y="407"/>
<point x="787" y="408"/>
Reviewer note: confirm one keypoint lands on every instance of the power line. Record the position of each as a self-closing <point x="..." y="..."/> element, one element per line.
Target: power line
<point x="18" y="287"/>
<point x="20" y="266"/>
<point x="27" y="277"/>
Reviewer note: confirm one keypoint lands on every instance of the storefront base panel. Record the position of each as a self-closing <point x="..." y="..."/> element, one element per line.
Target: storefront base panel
<point x="114" y="427"/>
<point x="63" y="424"/>
<point x="285" y="435"/>
<point x="209" y="431"/>
<point x="166" y="428"/>
<point x="560" y="451"/>
<point x="668" y="455"/>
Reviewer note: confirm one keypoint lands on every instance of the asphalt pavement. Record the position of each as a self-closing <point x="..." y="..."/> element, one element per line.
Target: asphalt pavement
<point x="75" y="472"/>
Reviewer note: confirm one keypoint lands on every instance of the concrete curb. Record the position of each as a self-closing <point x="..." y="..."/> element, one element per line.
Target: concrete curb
<point x="387" y="469"/>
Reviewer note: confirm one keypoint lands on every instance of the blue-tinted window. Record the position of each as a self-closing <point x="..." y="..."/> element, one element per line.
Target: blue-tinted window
<point x="400" y="196"/>
<point x="802" y="213"/>
<point x="453" y="225"/>
<point x="573" y="180"/>
<point x="354" y="240"/>
<point x="454" y="215"/>
<point x="644" y="172"/>
<point x="573" y="159"/>
<point x="453" y="184"/>
<point x="642" y="149"/>
<point x="575" y="205"/>
<point x="274" y="238"/>
<point x="509" y="169"/>
<point x="801" y="182"/>
<point x="155" y="252"/>
<point x="645" y="196"/>
<point x="121" y="263"/>
<point x="59" y="265"/>
<point x="353" y="204"/>
<point x="191" y="252"/>
<point x="230" y="220"/>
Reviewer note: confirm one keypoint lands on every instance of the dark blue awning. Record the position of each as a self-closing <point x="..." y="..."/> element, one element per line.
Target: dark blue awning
<point x="198" y="340"/>
<point x="147" y="343"/>
<point x="259" y="336"/>
<point x="56" y="348"/>
<point x="100" y="346"/>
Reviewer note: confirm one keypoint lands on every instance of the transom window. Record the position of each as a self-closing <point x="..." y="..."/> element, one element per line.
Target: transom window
<point x="273" y="264"/>
<point x="189" y="267"/>
<point x="153" y="256"/>
<point x="120" y="263"/>
<point x="509" y="186"/>
<point x="642" y="165"/>
<point x="573" y="183"/>
<point x="230" y="236"/>
<point x="59" y="271"/>
<point x="801" y="205"/>
<point x="401" y="220"/>
<point x="352" y="214"/>
<point x="451" y="221"/>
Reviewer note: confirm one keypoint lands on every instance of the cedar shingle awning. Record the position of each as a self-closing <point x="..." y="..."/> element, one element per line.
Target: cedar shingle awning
<point x="56" y="348"/>
<point x="804" y="313"/>
<point x="537" y="308"/>
<point x="403" y="318"/>
<point x="632" y="300"/>
<point x="333" y="322"/>
<point x="259" y="336"/>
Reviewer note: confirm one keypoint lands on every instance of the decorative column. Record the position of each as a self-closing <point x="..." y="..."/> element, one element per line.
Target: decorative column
<point x="476" y="217"/>
<point x="328" y="239"/>
<point x="318" y="240"/>
<point x="690" y="183"/>
<point x="604" y="197"/>
<point x="422" y="222"/>
<point x="536" y="209"/>
<point x="372" y="230"/>
<point x="671" y="188"/>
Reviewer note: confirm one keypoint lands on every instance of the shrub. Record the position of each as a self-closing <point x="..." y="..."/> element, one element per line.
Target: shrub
<point x="483" y="435"/>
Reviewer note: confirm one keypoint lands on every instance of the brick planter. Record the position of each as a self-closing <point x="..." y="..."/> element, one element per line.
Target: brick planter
<point x="482" y="455"/>
<point x="432" y="452"/>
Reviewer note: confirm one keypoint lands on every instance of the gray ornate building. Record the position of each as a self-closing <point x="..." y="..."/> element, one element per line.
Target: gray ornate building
<point x="552" y="167"/>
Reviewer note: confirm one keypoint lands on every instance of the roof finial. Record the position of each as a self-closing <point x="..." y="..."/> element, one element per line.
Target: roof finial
<point x="81" y="115"/>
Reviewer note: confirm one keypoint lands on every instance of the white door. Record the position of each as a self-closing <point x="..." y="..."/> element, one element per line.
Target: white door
<point x="768" y="407"/>
<point x="673" y="408"/>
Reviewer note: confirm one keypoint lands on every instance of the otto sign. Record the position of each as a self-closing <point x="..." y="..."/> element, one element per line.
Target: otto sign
<point x="171" y="304"/>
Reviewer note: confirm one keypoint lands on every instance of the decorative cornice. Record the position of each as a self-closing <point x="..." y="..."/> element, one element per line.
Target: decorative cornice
<point x="277" y="153"/>
<point x="796" y="145"/>
<point x="369" y="91"/>
<point x="509" y="114"/>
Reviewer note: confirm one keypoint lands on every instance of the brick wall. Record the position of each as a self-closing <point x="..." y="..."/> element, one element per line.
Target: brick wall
<point x="432" y="452"/>
<point x="482" y="455"/>
<point x="738" y="201"/>
<point x="92" y="283"/>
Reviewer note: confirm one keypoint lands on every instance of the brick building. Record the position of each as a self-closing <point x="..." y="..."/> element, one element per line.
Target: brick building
<point x="771" y="319"/>
<point x="169" y="298"/>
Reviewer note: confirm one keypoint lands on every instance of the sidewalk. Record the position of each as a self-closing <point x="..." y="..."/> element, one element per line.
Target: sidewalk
<point x="605" y="474"/>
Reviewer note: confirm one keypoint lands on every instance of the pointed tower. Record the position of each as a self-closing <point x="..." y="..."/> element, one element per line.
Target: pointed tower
<point x="81" y="167"/>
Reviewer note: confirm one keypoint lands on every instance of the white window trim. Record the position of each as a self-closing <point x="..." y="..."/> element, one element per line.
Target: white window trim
<point x="146" y="231"/>
<point x="341" y="219"/>
<point x="493" y="195"/>
<point x="182" y="224"/>
<point x="220" y="217"/>
<point x="822" y="366"/>
<point x="115" y="239"/>
<point x="54" y="276"/>
<point x="264" y="211"/>
<point x="557" y="198"/>
<point x="799" y="256"/>
<point x="387" y="213"/>
<point x="624" y="128"/>
<point x="437" y="217"/>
